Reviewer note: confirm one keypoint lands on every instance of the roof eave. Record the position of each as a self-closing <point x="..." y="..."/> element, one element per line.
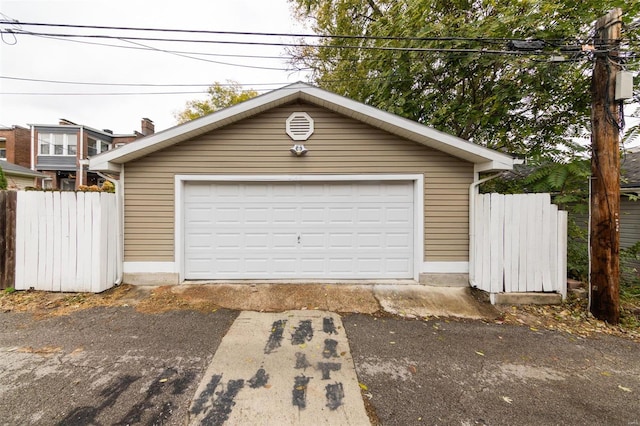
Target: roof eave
<point x="27" y="175"/>
<point x="105" y="167"/>
<point x="493" y="166"/>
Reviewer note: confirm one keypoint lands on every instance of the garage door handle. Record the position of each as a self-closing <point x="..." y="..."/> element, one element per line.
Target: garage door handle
<point x="298" y="239"/>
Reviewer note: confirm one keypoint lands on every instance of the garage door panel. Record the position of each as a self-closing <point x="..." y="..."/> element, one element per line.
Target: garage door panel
<point x="371" y="266"/>
<point x="199" y="216"/>
<point x="398" y="240"/>
<point x="284" y="265"/>
<point x="312" y="241"/>
<point x="341" y="240"/>
<point x="285" y="216"/>
<point x="313" y="266"/>
<point x="340" y="215"/>
<point x="312" y="215"/>
<point x="199" y="241"/>
<point x="369" y="241"/>
<point x="257" y="240"/>
<point x="370" y="215"/>
<point x="286" y="240"/>
<point x="399" y="215"/>
<point x="332" y="230"/>
<point x="257" y="215"/>
<point x="398" y="265"/>
<point x="256" y="265"/>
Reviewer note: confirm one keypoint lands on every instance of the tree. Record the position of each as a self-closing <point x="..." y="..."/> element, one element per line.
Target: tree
<point x="3" y="180"/>
<point x="507" y="100"/>
<point x="220" y="96"/>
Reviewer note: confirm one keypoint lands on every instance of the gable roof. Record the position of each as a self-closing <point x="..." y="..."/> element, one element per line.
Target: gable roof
<point x="485" y="159"/>
<point x="11" y="169"/>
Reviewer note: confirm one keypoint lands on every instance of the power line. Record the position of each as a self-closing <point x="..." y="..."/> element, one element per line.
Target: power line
<point x="282" y="44"/>
<point x="109" y="93"/>
<point x="272" y="34"/>
<point x="210" y="60"/>
<point x="138" y="84"/>
<point x="229" y="55"/>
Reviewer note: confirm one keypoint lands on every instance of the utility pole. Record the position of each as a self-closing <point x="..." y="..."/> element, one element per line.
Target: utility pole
<point x="605" y="171"/>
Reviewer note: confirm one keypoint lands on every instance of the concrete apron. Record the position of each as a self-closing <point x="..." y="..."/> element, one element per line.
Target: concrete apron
<point x="293" y="367"/>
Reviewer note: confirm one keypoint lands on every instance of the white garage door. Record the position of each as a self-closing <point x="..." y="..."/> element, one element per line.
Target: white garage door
<point x="301" y="230"/>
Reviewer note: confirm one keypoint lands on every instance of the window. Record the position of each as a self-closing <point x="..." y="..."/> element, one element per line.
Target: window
<point x="57" y="143"/>
<point x="3" y="153"/>
<point x="96" y="146"/>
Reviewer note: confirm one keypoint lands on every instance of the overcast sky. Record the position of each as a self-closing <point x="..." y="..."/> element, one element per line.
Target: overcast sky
<point x="46" y="58"/>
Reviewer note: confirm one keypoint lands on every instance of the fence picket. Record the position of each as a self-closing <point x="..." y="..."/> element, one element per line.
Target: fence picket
<point x="56" y="284"/>
<point x="65" y="241"/>
<point x="563" y="217"/>
<point x="553" y="255"/>
<point x="486" y="243"/>
<point x="520" y="244"/>
<point x="96" y="213"/>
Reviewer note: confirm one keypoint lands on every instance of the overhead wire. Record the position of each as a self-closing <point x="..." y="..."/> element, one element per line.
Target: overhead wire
<point x="283" y="44"/>
<point x="273" y="34"/>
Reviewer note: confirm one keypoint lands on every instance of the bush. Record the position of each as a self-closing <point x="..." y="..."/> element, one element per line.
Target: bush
<point x="108" y="187"/>
<point x="629" y="277"/>
<point x="577" y="251"/>
<point x="3" y="180"/>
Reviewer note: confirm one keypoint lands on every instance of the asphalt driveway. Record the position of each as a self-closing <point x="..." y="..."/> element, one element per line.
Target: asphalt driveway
<point x="107" y="366"/>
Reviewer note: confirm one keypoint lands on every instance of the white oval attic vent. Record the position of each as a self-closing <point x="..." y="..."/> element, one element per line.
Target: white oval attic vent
<point x="299" y="126"/>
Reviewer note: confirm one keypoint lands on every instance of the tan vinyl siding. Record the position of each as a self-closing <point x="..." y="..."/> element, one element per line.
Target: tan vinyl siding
<point x="259" y="145"/>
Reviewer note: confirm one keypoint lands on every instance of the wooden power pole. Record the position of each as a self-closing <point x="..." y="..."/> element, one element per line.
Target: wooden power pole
<point x="605" y="171"/>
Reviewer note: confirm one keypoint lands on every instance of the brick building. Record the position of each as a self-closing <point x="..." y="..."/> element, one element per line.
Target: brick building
<point x="61" y="151"/>
<point x="15" y="143"/>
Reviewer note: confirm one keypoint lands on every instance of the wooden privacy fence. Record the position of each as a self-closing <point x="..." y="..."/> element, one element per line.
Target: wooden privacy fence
<point x="520" y="244"/>
<point x="7" y="238"/>
<point x="65" y="241"/>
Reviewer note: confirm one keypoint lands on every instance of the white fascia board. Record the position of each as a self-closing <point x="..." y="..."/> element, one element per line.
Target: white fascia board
<point x="490" y="166"/>
<point x="104" y="166"/>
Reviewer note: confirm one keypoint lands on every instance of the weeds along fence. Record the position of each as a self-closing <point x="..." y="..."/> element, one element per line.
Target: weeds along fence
<point x="63" y="241"/>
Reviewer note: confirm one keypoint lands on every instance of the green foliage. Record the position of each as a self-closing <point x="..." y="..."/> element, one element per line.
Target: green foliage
<point x="516" y="103"/>
<point x="3" y="180"/>
<point x="629" y="274"/>
<point x="220" y="96"/>
<point x="567" y="181"/>
<point x="9" y="290"/>
<point x="577" y="251"/>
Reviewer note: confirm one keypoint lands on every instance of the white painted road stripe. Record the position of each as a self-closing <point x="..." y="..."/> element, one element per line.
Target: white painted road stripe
<point x="281" y="369"/>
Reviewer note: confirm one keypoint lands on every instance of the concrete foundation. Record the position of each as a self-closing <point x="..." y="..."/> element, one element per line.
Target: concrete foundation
<point x="151" y="278"/>
<point x="445" y="280"/>
<point x="526" y="298"/>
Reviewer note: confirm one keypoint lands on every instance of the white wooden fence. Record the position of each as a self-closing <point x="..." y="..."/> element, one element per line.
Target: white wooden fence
<point x="520" y="244"/>
<point x="66" y="241"/>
